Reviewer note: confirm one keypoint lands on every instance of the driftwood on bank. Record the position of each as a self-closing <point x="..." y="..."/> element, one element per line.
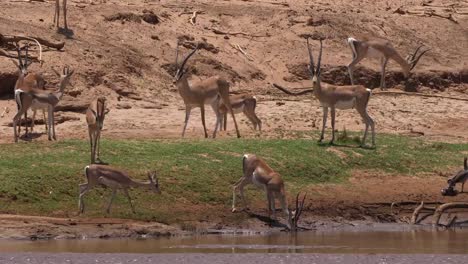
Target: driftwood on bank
<point x="441" y="209"/>
<point x="219" y="32"/>
<point x="417" y="211"/>
<point x="4" y="39"/>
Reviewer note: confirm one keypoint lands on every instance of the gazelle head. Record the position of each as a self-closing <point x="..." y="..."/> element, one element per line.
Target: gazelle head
<point x="314" y="72"/>
<point x="413" y="58"/>
<point x="459" y="174"/>
<point x="20" y="64"/>
<point x="65" y="75"/>
<point x="180" y="70"/>
<point x="154" y="182"/>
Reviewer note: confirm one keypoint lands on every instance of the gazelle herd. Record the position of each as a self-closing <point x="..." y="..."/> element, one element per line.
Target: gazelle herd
<point x="215" y="91"/>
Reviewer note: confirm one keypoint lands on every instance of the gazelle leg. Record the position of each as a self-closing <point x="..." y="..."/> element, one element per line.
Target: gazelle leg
<point x="369" y="122"/>
<point x="333" y="113"/>
<point x="188" y="109"/>
<point x="284" y="204"/>
<point x="463" y="185"/>
<point x="15" y="123"/>
<point x="91" y="145"/>
<point x="225" y="121"/>
<point x="33" y="120"/>
<point x="239" y="186"/>
<point x="45" y="119"/>
<point x="57" y="13"/>
<point x="83" y="190"/>
<point x="382" y="78"/>
<point x="97" y="144"/>
<point x="52" y="122"/>
<point x="202" y="111"/>
<point x="215" y="107"/>
<point x="325" y="115"/>
<point x="65" y="14"/>
<point x="129" y="200"/>
<point x="114" y="191"/>
<point x="353" y="63"/>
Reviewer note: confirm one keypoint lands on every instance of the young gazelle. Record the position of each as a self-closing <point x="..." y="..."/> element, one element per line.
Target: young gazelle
<point x="337" y="97"/>
<point x="24" y="100"/>
<point x="198" y="94"/>
<point x="106" y="176"/>
<point x="241" y="103"/>
<point x="257" y="172"/>
<point x="383" y="50"/>
<point x="95" y="115"/>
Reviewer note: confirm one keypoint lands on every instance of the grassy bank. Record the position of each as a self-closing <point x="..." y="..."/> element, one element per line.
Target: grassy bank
<point x="43" y="178"/>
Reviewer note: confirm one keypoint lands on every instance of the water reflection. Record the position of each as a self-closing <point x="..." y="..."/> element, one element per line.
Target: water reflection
<point x="415" y="241"/>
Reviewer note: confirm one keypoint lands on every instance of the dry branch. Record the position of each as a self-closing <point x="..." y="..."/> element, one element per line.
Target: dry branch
<point x="441" y="209"/>
<point x="45" y="42"/>
<point x="417" y="211"/>
<point x="219" y="32"/>
<point x="239" y="48"/>
<point x="6" y="110"/>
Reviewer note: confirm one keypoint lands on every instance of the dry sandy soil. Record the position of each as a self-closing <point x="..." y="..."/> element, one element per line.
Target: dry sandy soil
<point x="131" y="63"/>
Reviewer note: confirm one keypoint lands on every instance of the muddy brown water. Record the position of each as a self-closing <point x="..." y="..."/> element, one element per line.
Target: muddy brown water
<point x="368" y="242"/>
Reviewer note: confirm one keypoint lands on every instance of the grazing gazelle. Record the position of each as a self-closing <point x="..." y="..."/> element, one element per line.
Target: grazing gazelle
<point x="337" y="97"/>
<point x="383" y="50"/>
<point x="257" y="172"/>
<point x="24" y="100"/>
<point x="95" y="115"/>
<point x="459" y="177"/>
<point x="198" y="94"/>
<point x="241" y="103"/>
<point x="115" y="179"/>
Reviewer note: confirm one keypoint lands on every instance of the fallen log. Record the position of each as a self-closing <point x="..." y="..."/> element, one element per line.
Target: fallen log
<point x="441" y="209"/>
<point x="56" y="45"/>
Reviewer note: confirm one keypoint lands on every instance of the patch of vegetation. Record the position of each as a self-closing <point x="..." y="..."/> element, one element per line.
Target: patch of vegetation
<point x="42" y="178"/>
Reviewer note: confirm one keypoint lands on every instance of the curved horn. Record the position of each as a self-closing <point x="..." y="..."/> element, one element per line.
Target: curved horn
<point x="415" y="61"/>
<point x="319" y="59"/>
<point x="311" y="60"/>
<point x="39" y="45"/>
<point x="26" y="59"/>
<point x="18" y="50"/>
<point x="415" y="52"/>
<point x="177" y="56"/>
<point x="186" y="59"/>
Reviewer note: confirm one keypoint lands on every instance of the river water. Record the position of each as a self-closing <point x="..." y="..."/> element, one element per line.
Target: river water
<point x="344" y="241"/>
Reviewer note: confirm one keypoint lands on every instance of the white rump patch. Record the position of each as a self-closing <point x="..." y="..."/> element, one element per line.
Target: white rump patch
<point x="369" y="90"/>
<point x="246" y="156"/>
<point x="346" y="104"/>
<point x="351" y="39"/>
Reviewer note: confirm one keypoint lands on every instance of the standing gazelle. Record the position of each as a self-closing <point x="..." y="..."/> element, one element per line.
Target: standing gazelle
<point x="383" y="50"/>
<point x="337" y="97"/>
<point x="24" y="100"/>
<point x="198" y="94"/>
<point x="106" y="176"/>
<point x="240" y="103"/>
<point x="257" y="172"/>
<point x="95" y="115"/>
<point x="27" y="80"/>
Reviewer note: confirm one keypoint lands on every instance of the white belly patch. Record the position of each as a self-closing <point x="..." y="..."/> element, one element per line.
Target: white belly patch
<point x="346" y="104"/>
<point x="373" y="53"/>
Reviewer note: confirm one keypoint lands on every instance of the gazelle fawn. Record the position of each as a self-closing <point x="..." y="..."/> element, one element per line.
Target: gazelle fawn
<point x="95" y="115"/>
<point x="115" y="179"/>
<point x="242" y="103"/>
<point x="257" y="172"/>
